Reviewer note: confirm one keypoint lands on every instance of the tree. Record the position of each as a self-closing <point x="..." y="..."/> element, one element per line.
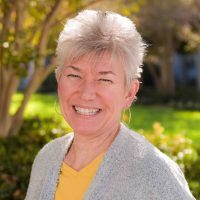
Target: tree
<point x="26" y="32"/>
<point x="162" y="23"/>
<point x="192" y="33"/>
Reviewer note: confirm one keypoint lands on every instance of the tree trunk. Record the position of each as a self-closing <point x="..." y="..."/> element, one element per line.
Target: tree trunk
<point x="10" y="125"/>
<point x="167" y="76"/>
<point x="167" y="73"/>
<point x="156" y="78"/>
<point x="38" y="77"/>
<point x="31" y="88"/>
<point x="9" y="85"/>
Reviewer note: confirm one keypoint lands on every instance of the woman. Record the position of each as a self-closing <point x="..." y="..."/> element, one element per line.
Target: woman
<point x="99" y="62"/>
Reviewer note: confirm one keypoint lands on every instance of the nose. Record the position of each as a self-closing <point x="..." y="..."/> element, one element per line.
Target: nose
<point x="88" y="91"/>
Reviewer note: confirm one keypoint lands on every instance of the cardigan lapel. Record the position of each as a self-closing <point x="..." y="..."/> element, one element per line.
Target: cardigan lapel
<point x="52" y="176"/>
<point x="107" y="167"/>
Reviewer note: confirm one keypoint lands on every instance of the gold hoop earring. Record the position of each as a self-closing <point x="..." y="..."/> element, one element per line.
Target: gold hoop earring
<point x="55" y="107"/>
<point x="126" y="118"/>
<point x="129" y="110"/>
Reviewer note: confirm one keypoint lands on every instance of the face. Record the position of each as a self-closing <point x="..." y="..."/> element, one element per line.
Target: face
<point x="93" y="94"/>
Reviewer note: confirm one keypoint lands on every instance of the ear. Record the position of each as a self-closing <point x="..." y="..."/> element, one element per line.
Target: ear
<point x="131" y="94"/>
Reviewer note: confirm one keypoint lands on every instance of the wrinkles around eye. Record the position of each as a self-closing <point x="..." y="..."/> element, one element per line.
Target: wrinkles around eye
<point x="73" y="76"/>
<point x="105" y="80"/>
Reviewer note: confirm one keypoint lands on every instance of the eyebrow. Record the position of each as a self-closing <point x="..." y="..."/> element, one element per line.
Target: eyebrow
<point x="74" y="68"/>
<point x="107" y="72"/>
<point x="101" y="72"/>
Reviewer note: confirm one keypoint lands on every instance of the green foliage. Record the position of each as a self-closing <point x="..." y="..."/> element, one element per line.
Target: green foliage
<point x="142" y="117"/>
<point x="175" y="121"/>
<point x="39" y="105"/>
<point x="73" y="5"/>
<point x="182" y="151"/>
<point x="20" y="45"/>
<point x="170" y="19"/>
<point x="178" y="147"/>
<point x="43" y="124"/>
<point x="18" y="59"/>
<point x="17" y="154"/>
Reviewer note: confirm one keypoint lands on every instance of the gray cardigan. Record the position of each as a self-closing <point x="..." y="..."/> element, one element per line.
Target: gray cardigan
<point x="132" y="169"/>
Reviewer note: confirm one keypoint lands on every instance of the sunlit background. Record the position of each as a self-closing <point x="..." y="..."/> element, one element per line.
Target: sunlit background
<point x="167" y="111"/>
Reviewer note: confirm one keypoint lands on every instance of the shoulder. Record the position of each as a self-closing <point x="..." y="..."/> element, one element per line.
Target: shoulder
<point x="138" y="144"/>
<point x="56" y="144"/>
<point x="149" y="155"/>
<point x="134" y="143"/>
<point x="54" y="147"/>
<point x="158" y="171"/>
<point x="48" y="157"/>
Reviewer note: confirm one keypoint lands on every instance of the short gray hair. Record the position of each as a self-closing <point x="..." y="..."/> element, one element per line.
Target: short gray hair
<point x="98" y="31"/>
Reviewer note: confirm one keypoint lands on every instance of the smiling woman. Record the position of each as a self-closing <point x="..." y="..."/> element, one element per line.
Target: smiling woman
<point x="85" y="90"/>
<point x="100" y="55"/>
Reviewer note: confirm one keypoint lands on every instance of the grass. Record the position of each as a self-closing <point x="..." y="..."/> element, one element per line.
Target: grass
<point x="142" y="117"/>
<point x="173" y="121"/>
<point x="39" y="104"/>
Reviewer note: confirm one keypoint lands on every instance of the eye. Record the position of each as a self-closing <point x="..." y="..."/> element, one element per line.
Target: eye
<point x="105" y="80"/>
<point x="73" y="76"/>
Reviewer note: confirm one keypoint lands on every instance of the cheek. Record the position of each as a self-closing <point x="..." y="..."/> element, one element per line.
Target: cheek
<point x="114" y="98"/>
<point x="64" y="94"/>
<point x="65" y="89"/>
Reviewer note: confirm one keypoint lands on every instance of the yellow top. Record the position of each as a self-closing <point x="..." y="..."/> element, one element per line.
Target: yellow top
<point x="73" y="184"/>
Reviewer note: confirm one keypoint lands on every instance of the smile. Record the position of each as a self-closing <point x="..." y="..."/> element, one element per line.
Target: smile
<point x="86" y="111"/>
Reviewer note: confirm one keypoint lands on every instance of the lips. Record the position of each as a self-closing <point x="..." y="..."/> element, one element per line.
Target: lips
<point x="86" y="111"/>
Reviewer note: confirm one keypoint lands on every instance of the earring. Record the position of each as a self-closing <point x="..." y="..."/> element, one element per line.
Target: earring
<point x="55" y="107"/>
<point x="129" y="111"/>
<point x="126" y="118"/>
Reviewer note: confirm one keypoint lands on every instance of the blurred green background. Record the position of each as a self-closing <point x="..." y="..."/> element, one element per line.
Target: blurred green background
<point x="167" y="111"/>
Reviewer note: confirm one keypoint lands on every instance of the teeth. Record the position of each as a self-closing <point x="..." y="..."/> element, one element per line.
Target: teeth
<point x="85" y="111"/>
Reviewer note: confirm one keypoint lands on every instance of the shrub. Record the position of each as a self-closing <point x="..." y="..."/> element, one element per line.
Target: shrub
<point x="181" y="150"/>
<point x="17" y="154"/>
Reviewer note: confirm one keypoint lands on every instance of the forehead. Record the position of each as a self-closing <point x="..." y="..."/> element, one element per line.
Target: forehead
<point x="97" y="62"/>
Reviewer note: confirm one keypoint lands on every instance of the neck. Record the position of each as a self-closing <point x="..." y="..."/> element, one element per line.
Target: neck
<point x="85" y="148"/>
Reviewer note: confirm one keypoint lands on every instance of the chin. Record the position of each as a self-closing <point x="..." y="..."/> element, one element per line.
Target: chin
<point x="86" y="131"/>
